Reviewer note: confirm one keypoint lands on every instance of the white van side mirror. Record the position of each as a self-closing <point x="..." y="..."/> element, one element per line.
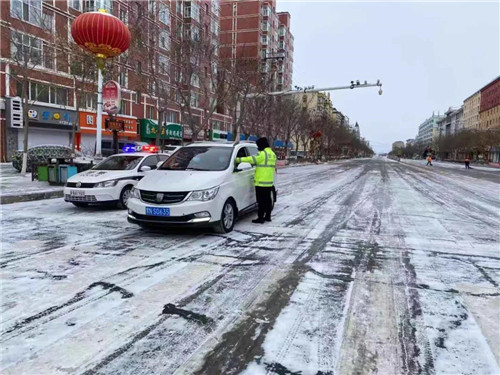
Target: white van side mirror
<point x="243" y="167"/>
<point x="145" y="168"/>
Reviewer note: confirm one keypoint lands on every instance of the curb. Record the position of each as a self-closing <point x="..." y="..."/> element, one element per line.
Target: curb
<point x="31" y="197"/>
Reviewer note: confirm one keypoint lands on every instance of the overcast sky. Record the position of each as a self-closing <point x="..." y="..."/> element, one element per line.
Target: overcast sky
<point x="429" y="56"/>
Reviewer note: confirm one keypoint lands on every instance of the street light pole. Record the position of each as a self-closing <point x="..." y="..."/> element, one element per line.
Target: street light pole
<point x="98" y="151"/>
<point x="353" y="85"/>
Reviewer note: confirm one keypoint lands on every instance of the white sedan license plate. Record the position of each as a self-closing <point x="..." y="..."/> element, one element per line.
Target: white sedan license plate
<point x="158" y="211"/>
<point x="77" y="193"/>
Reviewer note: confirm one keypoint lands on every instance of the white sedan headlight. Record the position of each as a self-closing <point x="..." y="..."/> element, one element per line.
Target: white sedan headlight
<point x="135" y="193"/>
<point x="203" y="195"/>
<point x="106" y="184"/>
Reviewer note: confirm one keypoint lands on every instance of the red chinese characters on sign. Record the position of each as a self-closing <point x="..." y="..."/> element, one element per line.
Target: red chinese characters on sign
<point x="111" y="97"/>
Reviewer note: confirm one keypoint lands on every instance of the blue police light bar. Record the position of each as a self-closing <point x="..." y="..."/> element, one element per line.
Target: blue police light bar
<point x="129" y="148"/>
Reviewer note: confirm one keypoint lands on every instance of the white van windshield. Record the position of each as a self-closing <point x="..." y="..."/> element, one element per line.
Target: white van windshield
<point x="199" y="159"/>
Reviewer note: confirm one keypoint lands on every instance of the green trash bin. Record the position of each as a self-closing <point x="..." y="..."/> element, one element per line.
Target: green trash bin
<point x="53" y="174"/>
<point x="43" y="173"/>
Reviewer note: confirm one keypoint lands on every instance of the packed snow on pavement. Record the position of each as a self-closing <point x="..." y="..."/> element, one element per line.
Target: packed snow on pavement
<point x="369" y="266"/>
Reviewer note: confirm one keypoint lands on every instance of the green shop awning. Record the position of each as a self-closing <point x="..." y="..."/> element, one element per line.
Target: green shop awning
<point x="149" y="128"/>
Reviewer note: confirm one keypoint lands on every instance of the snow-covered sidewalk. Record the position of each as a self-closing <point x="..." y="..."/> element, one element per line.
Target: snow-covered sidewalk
<point x="449" y="165"/>
<point x="16" y="187"/>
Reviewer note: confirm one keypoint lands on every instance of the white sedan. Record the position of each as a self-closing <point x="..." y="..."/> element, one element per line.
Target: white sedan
<point x="199" y="185"/>
<point x="111" y="180"/>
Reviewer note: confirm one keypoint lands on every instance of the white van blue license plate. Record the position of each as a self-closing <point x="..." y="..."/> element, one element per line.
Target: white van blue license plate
<point x="157" y="211"/>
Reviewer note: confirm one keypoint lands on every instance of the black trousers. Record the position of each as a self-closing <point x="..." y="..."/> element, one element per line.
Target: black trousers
<point x="264" y="201"/>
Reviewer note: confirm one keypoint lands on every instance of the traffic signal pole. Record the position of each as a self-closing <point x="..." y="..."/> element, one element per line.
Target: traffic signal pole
<point x="305" y="90"/>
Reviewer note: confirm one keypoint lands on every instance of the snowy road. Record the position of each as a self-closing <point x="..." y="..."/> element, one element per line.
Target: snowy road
<point x="369" y="266"/>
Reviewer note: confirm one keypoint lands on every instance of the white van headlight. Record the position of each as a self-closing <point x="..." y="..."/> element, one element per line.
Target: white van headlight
<point x="106" y="184"/>
<point x="135" y="193"/>
<point x="203" y="195"/>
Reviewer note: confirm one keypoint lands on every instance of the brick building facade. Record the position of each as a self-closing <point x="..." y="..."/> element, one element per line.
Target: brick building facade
<point x="254" y="31"/>
<point x="36" y="25"/>
<point x="489" y="110"/>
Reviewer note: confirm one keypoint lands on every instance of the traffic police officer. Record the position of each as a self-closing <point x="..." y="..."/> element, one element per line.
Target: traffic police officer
<point x="265" y="163"/>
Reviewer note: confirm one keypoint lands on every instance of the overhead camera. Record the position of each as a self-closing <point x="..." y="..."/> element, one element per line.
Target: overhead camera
<point x="380" y="92"/>
<point x="357" y="82"/>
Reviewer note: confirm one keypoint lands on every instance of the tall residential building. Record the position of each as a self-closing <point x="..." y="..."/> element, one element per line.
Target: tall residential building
<point x="32" y="25"/>
<point x="471" y="111"/>
<point x="452" y="122"/>
<point x="489" y="110"/>
<point x="252" y="30"/>
<point x="428" y="131"/>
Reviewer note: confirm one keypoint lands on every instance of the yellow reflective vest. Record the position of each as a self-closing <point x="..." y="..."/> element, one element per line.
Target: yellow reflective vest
<point x="265" y="163"/>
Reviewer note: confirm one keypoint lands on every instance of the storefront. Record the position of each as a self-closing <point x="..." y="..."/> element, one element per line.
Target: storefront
<point x="48" y="126"/>
<point x="217" y="135"/>
<point x="172" y="133"/>
<point x="87" y="136"/>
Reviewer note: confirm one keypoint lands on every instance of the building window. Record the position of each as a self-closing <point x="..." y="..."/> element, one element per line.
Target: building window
<point x="164" y="40"/>
<point x="124" y="16"/>
<point x="138" y="97"/>
<point x="123" y="79"/>
<point x="195" y="80"/>
<point x="163" y="63"/>
<point x="152" y="8"/>
<point x="48" y="57"/>
<point x="164" y="15"/>
<point x="95" y="5"/>
<point x="47" y="94"/>
<point x="192" y="11"/>
<point x="27" y="10"/>
<point x="75" y="4"/>
<point x="282" y="31"/>
<point x="195" y="100"/>
<point x="151" y="112"/>
<point x="265" y="26"/>
<point x="179" y="7"/>
<point x="26" y="48"/>
<point x="266" y="11"/>
<point x="264" y="39"/>
<point x="214" y="28"/>
<point x="215" y="7"/>
<point x="195" y="33"/>
<point x="124" y="107"/>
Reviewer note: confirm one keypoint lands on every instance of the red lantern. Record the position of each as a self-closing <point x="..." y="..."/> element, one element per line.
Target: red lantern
<point x="101" y="33"/>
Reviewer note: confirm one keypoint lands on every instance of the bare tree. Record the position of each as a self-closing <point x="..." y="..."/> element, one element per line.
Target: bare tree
<point x="28" y="54"/>
<point x="82" y="68"/>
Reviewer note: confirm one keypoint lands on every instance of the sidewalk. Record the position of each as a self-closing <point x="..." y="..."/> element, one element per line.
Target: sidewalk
<point x="15" y="187"/>
<point x="450" y="165"/>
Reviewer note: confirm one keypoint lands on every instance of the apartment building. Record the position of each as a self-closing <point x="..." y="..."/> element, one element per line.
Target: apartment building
<point x="252" y="30"/>
<point x="489" y="111"/>
<point x="471" y="111"/>
<point x="35" y="28"/>
<point x="428" y="131"/>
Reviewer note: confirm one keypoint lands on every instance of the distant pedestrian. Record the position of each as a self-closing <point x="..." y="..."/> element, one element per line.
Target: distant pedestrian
<point x="467" y="163"/>
<point x="429" y="160"/>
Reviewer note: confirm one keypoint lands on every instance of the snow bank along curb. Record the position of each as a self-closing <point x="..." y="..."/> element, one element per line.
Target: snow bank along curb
<point x="7" y="199"/>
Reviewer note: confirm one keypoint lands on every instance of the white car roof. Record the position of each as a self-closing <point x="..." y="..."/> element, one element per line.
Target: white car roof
<point x="219" y="144"/>
<point x="141" y="153"/>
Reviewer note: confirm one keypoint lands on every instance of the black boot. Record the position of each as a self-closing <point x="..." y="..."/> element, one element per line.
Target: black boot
<point x="258" y="221"/>
<point x="268" y="218"/>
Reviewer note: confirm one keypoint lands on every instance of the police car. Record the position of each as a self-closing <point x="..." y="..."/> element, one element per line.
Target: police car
<point x="112" y="180"/>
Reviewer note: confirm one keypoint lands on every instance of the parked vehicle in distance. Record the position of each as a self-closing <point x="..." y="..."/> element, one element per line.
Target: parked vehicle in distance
<point x="199" y="185"/>
<point x="111" y="180"/>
